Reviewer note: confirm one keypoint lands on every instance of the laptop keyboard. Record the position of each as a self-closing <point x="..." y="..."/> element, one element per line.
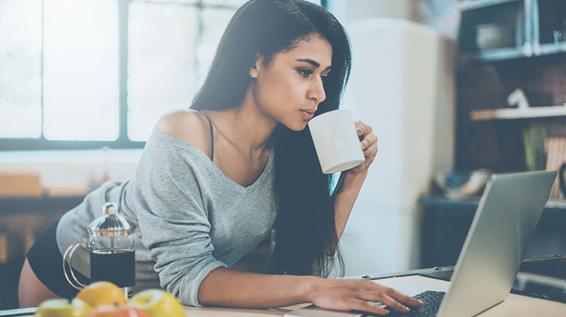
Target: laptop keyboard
<point x="431" y="299"/>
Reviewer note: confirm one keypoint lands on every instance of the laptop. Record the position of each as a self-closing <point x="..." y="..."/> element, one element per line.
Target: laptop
<point x="505" y="220"/>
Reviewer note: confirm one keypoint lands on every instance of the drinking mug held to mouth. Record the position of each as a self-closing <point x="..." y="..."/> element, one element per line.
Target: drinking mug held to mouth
<point x="335" y="140"/>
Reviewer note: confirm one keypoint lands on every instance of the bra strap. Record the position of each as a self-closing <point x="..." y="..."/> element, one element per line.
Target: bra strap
<point x="211" y="136"/>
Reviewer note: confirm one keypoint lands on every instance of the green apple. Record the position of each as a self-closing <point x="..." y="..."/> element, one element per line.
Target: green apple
<point x="63" y="308"/>
<point x="158" y="303"/>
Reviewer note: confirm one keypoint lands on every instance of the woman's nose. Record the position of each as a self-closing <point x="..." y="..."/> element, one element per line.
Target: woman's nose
<point x="317" y="91"/>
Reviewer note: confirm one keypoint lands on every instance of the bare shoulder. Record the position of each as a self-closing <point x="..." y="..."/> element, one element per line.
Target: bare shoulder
<point x="187" y="125"/>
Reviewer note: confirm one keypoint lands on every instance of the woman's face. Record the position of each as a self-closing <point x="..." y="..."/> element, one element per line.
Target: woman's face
<point x="290" y="88"/>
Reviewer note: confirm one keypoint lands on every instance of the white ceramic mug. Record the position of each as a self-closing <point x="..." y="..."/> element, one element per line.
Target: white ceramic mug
<point x="336" y="141"/>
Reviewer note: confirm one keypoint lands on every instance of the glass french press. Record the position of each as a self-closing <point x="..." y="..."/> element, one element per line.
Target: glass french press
<point x="111" y="250"/>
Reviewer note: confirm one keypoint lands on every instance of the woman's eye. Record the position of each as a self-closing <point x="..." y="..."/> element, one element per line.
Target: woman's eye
<point x="304" y="72"/>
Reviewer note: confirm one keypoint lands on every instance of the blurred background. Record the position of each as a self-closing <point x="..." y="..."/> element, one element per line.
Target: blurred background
<point x="455" y="91"/>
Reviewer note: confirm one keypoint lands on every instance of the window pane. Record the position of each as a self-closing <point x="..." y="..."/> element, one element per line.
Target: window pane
<point x="81" y="70"/>
<point x="237" y="3"/>
<point x="20" y="66"/>
<point x="171" y="2"/>
<point x="232" y="3"/>
<point x="161" y="63"/>
<point x="214" y="24"/>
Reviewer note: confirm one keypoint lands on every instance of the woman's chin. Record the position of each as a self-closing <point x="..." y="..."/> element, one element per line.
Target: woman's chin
<point x="299" y="127"/>
<point x="295" y="126"/>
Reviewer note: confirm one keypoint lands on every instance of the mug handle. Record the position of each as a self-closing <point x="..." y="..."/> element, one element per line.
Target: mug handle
<point x="67" y="261"/>
<point x="562" y="179"/>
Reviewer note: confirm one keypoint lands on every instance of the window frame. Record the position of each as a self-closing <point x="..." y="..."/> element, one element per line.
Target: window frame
<point x="122" y="142"/>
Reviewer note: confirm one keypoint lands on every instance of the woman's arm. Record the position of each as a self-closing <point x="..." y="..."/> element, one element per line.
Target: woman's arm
<point x="224" y="287"/>
<point x="354" y="178"/>
<point x="345" y="199"/>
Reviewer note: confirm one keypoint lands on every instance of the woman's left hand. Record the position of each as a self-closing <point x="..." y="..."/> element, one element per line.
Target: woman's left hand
<point x="368" y="142"/>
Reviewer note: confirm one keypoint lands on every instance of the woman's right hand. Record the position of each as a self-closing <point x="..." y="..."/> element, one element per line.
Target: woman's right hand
<point x="346" y="295"/>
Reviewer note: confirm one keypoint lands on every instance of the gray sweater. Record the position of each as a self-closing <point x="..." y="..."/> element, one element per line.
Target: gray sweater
<point x="190" y="217"/>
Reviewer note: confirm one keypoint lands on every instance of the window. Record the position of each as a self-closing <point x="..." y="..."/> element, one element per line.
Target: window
<point x="20" y="65"/>
<point x="91" y="73"/>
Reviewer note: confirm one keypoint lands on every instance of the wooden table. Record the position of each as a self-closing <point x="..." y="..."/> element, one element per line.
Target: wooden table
<point x="515" y="305"/>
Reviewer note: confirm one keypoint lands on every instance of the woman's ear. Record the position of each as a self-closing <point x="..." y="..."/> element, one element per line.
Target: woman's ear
<point x="256" y="69"/>
<point x="253" y="72"/>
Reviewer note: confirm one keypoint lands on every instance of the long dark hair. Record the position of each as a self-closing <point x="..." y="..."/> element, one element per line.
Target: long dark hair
<point x="306" y="238"/>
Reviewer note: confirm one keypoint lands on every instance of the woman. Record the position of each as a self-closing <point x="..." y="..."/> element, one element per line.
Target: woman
<point x="214" y="181"/>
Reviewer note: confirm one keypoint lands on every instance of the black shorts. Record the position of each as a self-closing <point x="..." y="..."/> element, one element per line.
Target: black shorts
<point x="47" y="263"/>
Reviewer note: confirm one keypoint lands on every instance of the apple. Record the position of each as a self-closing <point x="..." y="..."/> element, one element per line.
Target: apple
<point x="63" y="308"/>
<point x="102" y="293"/>
<point x="122" y="311"/>
<point x="158" y="303"/>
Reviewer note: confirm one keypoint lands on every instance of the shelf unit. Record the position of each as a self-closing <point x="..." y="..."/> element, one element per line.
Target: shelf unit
<point x="506" y="45"/>
<point x="515" y="113"/>
<point x="446" y="222"/>
<point x="494" y="30"/>
<point x="24" y="219"/>
<point x="515" y="21"/>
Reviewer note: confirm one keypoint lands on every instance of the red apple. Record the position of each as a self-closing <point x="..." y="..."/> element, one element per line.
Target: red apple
<point x="120" y="311"/>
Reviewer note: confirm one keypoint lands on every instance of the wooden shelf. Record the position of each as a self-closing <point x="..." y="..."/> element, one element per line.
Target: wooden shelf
<point x="514" y="113"/>
<point x="42" y="204"/>
<point x="499" y="54"/>
<point x="478" y="4"/>
<point x="550" y="48"/>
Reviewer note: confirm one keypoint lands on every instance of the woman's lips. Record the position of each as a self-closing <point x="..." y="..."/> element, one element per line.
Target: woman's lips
<point x="307" y="115"/>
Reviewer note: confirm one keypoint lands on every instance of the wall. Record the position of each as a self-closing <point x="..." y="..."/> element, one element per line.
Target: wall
<point x="351" y="10"/>
<point x="402" y="83"/>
